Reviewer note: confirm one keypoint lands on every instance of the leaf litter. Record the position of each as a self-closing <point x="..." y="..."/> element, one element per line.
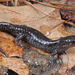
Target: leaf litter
<point x="22" y="15"/>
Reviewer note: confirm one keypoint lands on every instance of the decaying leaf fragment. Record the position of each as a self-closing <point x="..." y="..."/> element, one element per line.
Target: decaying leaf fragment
<point x="63" y="31"/>
<point x="16" y="65"/>
<point x="68" y="61"/>
<point x="6" y="35"/>
<point x="10" y="48"/>
<point x="4" y="0"/>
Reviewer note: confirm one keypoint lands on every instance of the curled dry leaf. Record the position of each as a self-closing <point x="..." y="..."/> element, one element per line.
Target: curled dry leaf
<point x="8" y="15"/>
<point x="63" y="31"/>
<point x="10" y="48"/>
<point x="68" y="61"/>
<point x="44" y="29"/>
<point x="1" y="60"/>
<point x="5" y="35"/>
<point x="4" y="0"/>
<point x="15" y="64"/>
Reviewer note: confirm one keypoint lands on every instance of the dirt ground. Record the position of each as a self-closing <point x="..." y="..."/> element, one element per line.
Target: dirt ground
<point x="37" y="62"/>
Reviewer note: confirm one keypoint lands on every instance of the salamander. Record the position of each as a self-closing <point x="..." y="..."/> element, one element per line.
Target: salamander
<point x="37" y="39"/>
<point x="67" y="15"/>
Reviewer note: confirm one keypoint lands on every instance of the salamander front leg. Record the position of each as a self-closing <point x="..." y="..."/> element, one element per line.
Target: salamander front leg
<point x="17" y="40"/>
<point x="51" y="58"/>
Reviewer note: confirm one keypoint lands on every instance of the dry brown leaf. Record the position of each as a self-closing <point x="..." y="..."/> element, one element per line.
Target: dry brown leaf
<point x="63" y="31"/>
<point x="4" y="0"/>
<point x="15" y="64"/>
<point x="25" y="13"/>
<point x="44" y="29"/>
<point x="68" y="61"/>
<point x="10" y="48"/>
<point x="1" y="59"/>
<point x="5" y="35"/>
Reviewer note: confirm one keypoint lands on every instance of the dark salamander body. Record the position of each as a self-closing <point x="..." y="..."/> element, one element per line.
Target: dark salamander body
<point x="37" y="39"/>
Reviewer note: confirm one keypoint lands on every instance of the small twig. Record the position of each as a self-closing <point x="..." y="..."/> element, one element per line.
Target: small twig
<point x="36" y="8"/>
<point x="61" y="4"/>
<point x="3" y="53"/>
<point x="7" y="2"/>
<point x="48" y="14"/>
<point x="50" y="5"/>
<point x="33" y="19"/>
<point x="9" y="10"/>
<point x="16" y="2"/>
<point x="55" y="26"/>
<point x="58" y="24"/>
<point x="12" y="2"/>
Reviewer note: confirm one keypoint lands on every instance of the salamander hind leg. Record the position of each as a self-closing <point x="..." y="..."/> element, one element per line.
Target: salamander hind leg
<point x="51" y="58"/>
<point x="17" y="40"/>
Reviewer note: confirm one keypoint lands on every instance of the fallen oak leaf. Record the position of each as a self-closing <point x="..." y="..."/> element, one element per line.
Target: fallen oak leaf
<point x="63" y="31"/>
<point x="4" y="0"/>
<point x="3" y="53"/>
<point x="5" y="71"/>
<point x="15" y="64"/>
<point x="1" y="60"/>
<point x="6" y="35"/>
<point x="68" y="62"/>
<point x="44" y="29"/>
<point x="71" y="55"/>
<point x="64" y="66"/>
<point x="10" y="48"/>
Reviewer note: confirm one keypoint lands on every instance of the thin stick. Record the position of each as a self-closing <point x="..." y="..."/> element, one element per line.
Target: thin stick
<point x="71" y="8"/>
<point x="3" y="53"/>
<point x="61" y="4"/>
<point x="48" y="14"/>
<point x="16" y="2"/>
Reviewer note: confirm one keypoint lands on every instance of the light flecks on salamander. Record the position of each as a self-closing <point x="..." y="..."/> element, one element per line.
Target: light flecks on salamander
<point x="37" y="39"/>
